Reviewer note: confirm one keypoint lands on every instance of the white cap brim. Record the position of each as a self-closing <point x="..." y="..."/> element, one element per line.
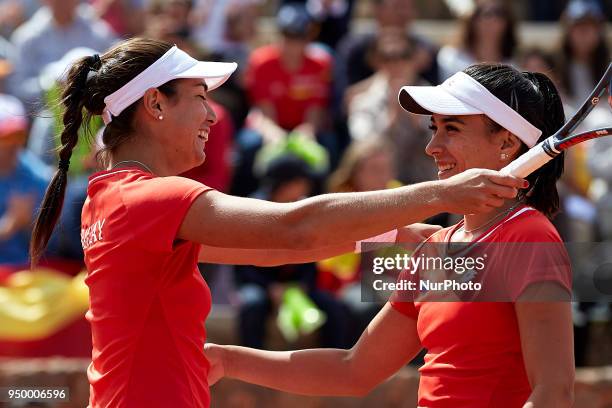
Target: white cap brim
<point x="213" y="73"/>
<point x="425" y="100"/>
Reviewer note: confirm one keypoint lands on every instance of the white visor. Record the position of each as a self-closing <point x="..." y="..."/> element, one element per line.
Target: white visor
<point x="174" y="64"/>
<point x="463" y="95"/>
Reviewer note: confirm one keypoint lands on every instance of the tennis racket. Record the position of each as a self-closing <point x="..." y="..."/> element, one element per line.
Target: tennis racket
<point x="552" y="146"/>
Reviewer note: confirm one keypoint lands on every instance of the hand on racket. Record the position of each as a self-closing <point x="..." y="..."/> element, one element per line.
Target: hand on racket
<point x="548" y="149"/>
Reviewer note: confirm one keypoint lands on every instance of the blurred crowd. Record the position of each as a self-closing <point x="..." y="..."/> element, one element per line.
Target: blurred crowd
<point x="311" y="109"/>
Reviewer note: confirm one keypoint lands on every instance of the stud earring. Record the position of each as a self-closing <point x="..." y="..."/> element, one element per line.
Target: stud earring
<point x="504" y="156"/>
<point x="160" y="117"/>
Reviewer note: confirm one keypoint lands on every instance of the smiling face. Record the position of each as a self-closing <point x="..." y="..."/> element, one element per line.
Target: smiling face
<point x="187" y="118"/>
<point x="459" y="143"/>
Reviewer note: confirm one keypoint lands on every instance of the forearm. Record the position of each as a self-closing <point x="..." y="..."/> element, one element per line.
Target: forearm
<point x="551" y="396"/>
<point x="307" y="372"/>
<point x="270" y="257"/>
<point x="332" y="218"/>
<point x="221" y="220"/>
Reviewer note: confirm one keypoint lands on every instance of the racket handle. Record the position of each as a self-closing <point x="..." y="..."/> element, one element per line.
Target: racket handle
<point x="529" y="162"/>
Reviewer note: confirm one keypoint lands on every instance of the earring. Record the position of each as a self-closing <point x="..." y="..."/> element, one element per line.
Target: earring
<point x="504" y="156"/>
<point x="160" y="117"/>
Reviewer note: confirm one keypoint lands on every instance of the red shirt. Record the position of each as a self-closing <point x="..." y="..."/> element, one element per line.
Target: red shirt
<point x="474" y="357"/>
<point x="148" y="301"/>
<point x="291" y="93"/>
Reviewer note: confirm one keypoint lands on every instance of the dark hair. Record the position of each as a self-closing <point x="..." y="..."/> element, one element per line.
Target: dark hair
<point x="598" y="60"/>
<point x="89" y="81"/>
<point x="535" y="98"/>
<point x="509" y="41"/>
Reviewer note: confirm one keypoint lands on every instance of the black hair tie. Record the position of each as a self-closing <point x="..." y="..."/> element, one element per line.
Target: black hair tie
<point x="95" y="63"/>
<point x="64" y="165"/>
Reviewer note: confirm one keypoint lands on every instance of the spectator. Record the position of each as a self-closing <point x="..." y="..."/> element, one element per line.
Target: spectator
<point x="212" y="20"/>
<point x="6" y="68"/>
<point x="14" y="12"/>
<point x="373" y="107"/>
<point x="287" y="179"/>
<point x="22" y="184"/>
<point x="538" y="60"/>
<point x="332" y="16"/>
<point x="169" y="20"/>
<point x="288" y="83"/>
<point x="352" y="62"/>
<point x="367" y="165"/>
<point x="488" y="35"/>
<point x="353" y="65"/>
<point x="584" y="54"/>
<point x="53" y="30"/>
<point x="235" y="46"/>
<point x="125" y="17"/>
<point x="241" y="18"/>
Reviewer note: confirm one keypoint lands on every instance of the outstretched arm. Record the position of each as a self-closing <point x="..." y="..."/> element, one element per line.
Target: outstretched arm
<point x="409" y="237"/>
<point x="389" y="342"/>
<point x="219" y="220"/>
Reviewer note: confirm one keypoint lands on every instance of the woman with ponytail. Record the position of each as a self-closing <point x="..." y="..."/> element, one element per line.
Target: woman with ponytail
<point x="507" y="344"/>
<point x="143" y="228"/>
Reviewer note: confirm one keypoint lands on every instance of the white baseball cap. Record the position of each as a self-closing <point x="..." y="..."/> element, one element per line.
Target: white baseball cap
<point x="463" y="95"/>
<point x="174" y="64"/>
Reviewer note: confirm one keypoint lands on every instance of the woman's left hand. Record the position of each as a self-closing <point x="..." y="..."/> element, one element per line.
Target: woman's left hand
<point x="214" y="353"/>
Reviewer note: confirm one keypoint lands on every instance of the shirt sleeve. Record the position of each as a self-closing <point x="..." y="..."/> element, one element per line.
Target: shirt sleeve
<point x="405" y="307"/>
<point x="156" y="208"/>
<point x="538" y="255"/>
<point x="403" y="300"/>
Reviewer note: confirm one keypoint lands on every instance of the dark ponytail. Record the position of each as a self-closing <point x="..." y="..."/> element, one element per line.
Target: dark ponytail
<point x="73" y="102"/>
<point x="535" y="98"/>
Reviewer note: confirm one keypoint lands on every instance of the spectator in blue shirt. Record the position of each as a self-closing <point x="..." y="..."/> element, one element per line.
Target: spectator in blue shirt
<point x="53" y="30"/>
<point x="23" y="180"/>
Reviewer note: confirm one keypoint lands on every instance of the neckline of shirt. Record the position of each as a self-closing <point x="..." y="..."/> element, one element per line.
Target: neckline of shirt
<point x="515" y="213"/>
<point x="106" y="173"/>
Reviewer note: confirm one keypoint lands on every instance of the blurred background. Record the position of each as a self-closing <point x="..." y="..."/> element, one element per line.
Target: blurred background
<point x="312" y="109"/>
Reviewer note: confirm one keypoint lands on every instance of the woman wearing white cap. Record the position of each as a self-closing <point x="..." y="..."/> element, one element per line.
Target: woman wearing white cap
<point x="514" y="352"/>
<point x="144" y="229"/>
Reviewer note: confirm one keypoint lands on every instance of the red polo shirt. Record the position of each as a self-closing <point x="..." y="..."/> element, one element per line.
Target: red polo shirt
<point x="291" y="93"/>
<point x="474" y="357"/>
<point x="148" y="301"/>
